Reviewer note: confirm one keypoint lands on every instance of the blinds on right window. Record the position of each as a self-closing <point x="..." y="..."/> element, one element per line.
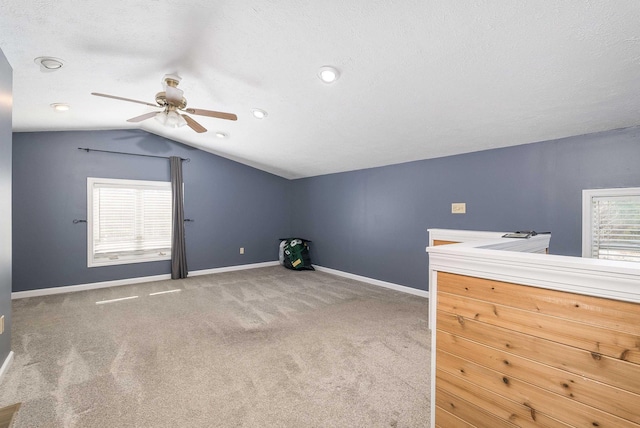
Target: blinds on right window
<point x="612" y="226"/>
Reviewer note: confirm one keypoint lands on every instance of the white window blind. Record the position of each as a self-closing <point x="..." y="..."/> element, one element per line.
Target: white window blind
<point x="129" y="221"/>
<point x="614" y="224"/>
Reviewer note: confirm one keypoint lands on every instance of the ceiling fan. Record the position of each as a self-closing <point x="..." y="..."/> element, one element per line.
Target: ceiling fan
<point x="172" y="102"/>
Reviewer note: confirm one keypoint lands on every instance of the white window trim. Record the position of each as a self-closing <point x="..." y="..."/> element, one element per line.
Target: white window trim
<point x="91" y="262"/>
<point x="587" y="196"/>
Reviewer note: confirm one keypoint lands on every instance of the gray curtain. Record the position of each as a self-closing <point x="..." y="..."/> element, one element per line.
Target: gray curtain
<point x="178" y="249"/>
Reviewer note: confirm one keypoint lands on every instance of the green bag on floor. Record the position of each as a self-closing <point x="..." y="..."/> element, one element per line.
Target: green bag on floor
<point x="294" y="254"/>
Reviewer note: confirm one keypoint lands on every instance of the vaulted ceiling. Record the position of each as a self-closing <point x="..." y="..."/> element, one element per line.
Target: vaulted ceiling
<point x="418" y="79"/>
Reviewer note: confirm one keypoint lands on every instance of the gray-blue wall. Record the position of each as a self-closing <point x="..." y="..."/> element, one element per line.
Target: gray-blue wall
<point x="374" y="222"/>
<point x="371" y="222"/>
<point x="6" y="85"/>
<point x="233" y="205"/>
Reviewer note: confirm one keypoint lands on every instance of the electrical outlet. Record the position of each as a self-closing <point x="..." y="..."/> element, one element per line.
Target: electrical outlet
<point x="458" y="208"/>
<point x="241" y="250"/>
<point x="2" y="324"/>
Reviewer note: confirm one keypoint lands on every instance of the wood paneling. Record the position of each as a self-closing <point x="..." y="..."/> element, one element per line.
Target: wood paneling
<point x="577" y="361"/>
<point x="437" y="242"/>
<point x="598" y="340"/>
<point x="468" y="412"/>
<point x="7" y="414"/>
<point x="517" y="413"/>
<point x="447" y="420"/>
<point x="615" y="315"/>
<point x="595" y="394"/>
<point x="533" y="357"/>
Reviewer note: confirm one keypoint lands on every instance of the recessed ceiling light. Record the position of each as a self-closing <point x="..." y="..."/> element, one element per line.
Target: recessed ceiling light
<point x="48" y="64"/>
<point x="328" y="74"/>
<point x="60" y="106"/>
<point x="221" y="135"/>
<point x="258" y="114"/>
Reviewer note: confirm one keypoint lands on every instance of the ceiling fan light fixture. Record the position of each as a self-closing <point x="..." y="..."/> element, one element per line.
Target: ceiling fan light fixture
<point x="328" y="74"/>
<point x="175" y="120"/>
<point x="161" y="117"/>
<point x="60" y="106"/>
<point x="258" y="113"/>
<point x="48" y="64"/>
<point x="170" y="119"/>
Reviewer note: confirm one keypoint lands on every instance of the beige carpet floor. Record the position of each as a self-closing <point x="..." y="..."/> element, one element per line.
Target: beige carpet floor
<point x="264" y="347"/>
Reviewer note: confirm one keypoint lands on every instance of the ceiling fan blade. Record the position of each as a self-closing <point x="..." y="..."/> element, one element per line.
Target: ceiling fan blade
<point x="123" y="99"/>
<point x="143" y="117"/>
<point x="194" y="125"/>
<point x="211" y="113"/>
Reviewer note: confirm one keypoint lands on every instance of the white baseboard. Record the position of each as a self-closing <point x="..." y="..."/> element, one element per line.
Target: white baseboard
<point x="139" y="280"/>
<point x="129" y="281"/>
<point x="397" y="287"/>
<point x="83" y="287"/>
<point x="5" y="366"/>
<point x="233" y="268"/>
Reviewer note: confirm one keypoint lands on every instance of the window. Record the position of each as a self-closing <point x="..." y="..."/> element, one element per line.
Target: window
<point x="611" y="224"/>
<point x="129" y="221"/>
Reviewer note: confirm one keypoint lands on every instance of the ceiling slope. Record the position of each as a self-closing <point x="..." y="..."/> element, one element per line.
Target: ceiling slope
<point x="419" y="79"/>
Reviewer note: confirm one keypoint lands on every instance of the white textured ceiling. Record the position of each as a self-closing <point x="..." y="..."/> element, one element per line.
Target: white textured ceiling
<point x="420" y="79"/>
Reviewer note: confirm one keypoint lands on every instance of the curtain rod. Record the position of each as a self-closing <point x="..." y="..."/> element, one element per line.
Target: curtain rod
<point x="131" y="154"/>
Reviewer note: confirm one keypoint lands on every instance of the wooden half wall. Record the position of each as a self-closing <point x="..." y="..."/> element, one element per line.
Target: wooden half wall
<point x="533" y="340"/>
<point x="514" y="355"/>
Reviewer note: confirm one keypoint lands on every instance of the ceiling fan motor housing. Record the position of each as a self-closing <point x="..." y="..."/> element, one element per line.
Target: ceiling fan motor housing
<point x="161" y="99"/>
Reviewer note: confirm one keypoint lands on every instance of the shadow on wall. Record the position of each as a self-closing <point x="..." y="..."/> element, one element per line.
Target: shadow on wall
<point x="149" y="143"/>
